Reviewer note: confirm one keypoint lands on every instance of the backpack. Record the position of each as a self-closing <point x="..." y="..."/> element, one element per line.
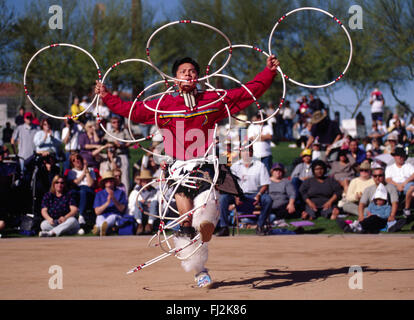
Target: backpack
<point x="29" y="225"/>
<point x="127" y="226"/>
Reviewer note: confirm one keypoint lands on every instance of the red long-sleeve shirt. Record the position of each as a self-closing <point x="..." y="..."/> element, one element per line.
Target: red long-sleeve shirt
<point x="188" y="135"/>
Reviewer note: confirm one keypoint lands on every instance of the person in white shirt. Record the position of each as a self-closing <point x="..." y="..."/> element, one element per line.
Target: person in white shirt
<point x="83" y="180"/>
<point x="254" y="182"/>
<point x="401" y="175"/>
<point x="377" y="101"/>
<point x="262" y="149"/>
<point x="70" y="135"/>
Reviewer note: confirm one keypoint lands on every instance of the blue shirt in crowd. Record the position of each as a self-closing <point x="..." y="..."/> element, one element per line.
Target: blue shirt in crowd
<point x="101" y="198"/>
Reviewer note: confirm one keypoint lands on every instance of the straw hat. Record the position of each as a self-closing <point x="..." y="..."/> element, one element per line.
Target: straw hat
<point x="318" y="116"/>
<point x="145" y="174"/>
<point x="107" y="175"/>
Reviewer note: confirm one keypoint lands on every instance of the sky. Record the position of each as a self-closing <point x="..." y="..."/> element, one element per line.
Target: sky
<point x="344" y="95"/>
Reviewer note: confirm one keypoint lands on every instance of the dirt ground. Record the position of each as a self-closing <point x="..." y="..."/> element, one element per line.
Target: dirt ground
<point x="243" y="267"/>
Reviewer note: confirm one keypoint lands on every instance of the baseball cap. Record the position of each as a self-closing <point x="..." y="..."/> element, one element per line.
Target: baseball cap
<point x="306" y="152"/>
<point x="28" y="115"/>
<point x="279" y="166"/>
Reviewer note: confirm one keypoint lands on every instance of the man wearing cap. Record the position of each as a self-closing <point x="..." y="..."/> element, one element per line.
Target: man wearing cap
<point x="282" y="192"/>
<point x="302" y="171"/>
<point x="356" y="188"/>
<point x="325" y="129"/>
<point x="109" y="204"/>
<point x="378" y="175"/>
<point x="401" y="175"/>
<point x="24" y="134"/>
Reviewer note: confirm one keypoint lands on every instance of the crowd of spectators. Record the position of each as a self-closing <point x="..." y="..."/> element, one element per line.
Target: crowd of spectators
<point x="83" y="172"/>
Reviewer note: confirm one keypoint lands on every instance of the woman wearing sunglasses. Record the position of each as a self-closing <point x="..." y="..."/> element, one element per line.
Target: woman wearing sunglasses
<point x="58" y="210"/>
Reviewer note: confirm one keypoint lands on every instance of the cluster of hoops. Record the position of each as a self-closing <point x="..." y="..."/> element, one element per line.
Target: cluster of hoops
<point x="168" y="182"/>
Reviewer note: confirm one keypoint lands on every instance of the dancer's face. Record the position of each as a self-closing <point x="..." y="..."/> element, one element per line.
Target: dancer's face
<point x="186" y="71"/>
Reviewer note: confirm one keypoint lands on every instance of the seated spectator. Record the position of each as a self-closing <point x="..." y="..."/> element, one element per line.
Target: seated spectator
<point x="356" y="152"/>
<point x="356" y="188"/>
<point x="317" y="153"/>
<point x="398" y="129"/>
<point x="111" y="161"/>
<point x="342" y="170"/>
<point x="401" y="175"/>
<point x="321" y="193"/>
<point x="144" y="203"/>
<point x="58" y="210"/>
<point x="90" y="145"/>
<point x="376" y="132"/>
<point x="118" y="176"/>
<point x="83" y="181"/>
<point x="378" y="175"/>
<point x="46" y="140"/>
<point x="254" y="181"/>
<point x="45" y="173"/>
<point x="391" y="143"/>
<point x="121" y="148"/>
<point x="282" y="193"/>
<point x="109" y="205"/>
<point x="302" y="171"/>
<point x="375" y="147"/>
<point x="379" y="212"/>
<point x="304" y="134"/>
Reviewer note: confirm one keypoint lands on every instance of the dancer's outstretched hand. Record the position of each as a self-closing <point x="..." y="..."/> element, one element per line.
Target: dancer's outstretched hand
<point x="272" y="63"/>
<point x="100" y="89"/>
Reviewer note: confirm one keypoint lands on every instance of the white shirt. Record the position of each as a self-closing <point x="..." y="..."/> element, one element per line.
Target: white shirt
<point x="73" y="141"/>
<point x="376" y="105"/>
<point x="288" y="114"/>
<point x="261" y="149"/>
<point x="75" y="174"/>
<point x="253" y="177"/>
<point x="399" y="175"/>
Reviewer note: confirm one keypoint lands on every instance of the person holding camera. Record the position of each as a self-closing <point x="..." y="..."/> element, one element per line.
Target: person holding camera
<point x="70" y="135"/>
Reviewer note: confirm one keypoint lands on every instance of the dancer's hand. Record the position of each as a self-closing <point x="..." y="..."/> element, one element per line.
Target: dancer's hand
<point x="100" y="89"/>
<point x="272" y="63"/>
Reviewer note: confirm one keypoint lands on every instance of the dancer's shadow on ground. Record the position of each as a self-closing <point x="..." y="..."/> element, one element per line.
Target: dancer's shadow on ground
<point x="275" y="278"/>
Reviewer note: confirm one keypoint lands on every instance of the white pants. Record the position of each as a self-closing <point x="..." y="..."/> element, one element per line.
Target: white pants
<point x="210" y="212"/>
<point x="70" y="226"/>
<point x="110" y="220"/>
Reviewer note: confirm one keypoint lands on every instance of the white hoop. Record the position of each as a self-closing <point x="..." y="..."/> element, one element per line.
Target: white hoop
<point x="129" y="122"/>
<point x="337" y="21"/>
<point x="27" y="90"/>
<point x="207" y="70"/>
<point x="282" y="100"/>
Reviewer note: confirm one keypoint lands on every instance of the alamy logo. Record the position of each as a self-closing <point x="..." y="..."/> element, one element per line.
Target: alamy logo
<point x="56" y="21"/>
<point x="56" y="280"/>
<point x="355" y="282"/>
